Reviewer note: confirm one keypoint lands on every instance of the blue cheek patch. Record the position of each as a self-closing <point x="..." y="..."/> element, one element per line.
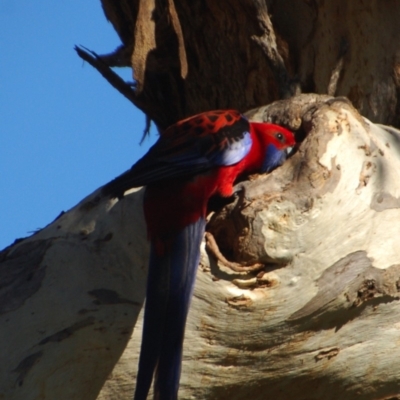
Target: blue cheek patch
<point x="235" y="151"/>
<point x="273" y="158"/>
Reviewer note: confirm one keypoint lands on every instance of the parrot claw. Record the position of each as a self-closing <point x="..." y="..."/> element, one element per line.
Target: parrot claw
<point x="212" y="247"/>
<point x="240" y="189"/>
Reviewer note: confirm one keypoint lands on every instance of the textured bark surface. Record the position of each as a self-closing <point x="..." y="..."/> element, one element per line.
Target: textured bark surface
<point x="199" y="55"/>
<point x="193" y="56"/>
<point x="318" y="32"/>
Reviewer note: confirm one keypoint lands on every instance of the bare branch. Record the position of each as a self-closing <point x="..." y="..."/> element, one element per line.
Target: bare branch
<point x="98" y="62"/>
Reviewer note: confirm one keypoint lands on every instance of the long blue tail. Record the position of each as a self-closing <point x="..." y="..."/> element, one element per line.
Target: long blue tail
<point x="169" y="290"/>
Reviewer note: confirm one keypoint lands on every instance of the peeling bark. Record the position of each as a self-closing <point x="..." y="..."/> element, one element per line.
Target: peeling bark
<point x="177" y="49"/>
<point x="194" y="56"/>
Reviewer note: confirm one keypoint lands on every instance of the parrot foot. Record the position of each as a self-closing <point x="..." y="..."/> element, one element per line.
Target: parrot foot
<point x="213" y="248"/>
<point x="240" y="190"/>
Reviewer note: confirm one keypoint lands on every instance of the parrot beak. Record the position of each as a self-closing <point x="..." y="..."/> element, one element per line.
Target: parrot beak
<point x="289" y="150"/>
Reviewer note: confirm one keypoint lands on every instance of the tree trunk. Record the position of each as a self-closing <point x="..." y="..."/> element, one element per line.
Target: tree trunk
<point x="204" y="54"/>
<point x="319" y="320"/>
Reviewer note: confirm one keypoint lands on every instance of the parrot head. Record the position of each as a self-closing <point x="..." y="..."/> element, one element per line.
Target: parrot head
<point x="277" y="143"/>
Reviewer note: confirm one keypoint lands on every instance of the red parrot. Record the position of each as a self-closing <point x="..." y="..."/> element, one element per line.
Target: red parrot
<point x="192" y="161"/>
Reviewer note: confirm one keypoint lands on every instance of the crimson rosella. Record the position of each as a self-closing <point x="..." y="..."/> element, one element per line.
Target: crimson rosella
<point x="192" y="161"/>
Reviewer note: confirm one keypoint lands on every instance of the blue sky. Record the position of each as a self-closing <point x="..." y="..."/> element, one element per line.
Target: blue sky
<point x="64" y="131"/>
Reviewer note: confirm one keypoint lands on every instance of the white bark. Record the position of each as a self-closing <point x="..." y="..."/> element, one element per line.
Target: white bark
<point x="69" y="300"/>
<point x="322" y="323"/>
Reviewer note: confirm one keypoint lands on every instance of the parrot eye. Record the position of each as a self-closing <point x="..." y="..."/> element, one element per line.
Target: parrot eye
<point x="280" y="137"/>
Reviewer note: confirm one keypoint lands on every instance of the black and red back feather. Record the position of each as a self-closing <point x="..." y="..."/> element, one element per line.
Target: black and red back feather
<point x="187" y="148"/>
